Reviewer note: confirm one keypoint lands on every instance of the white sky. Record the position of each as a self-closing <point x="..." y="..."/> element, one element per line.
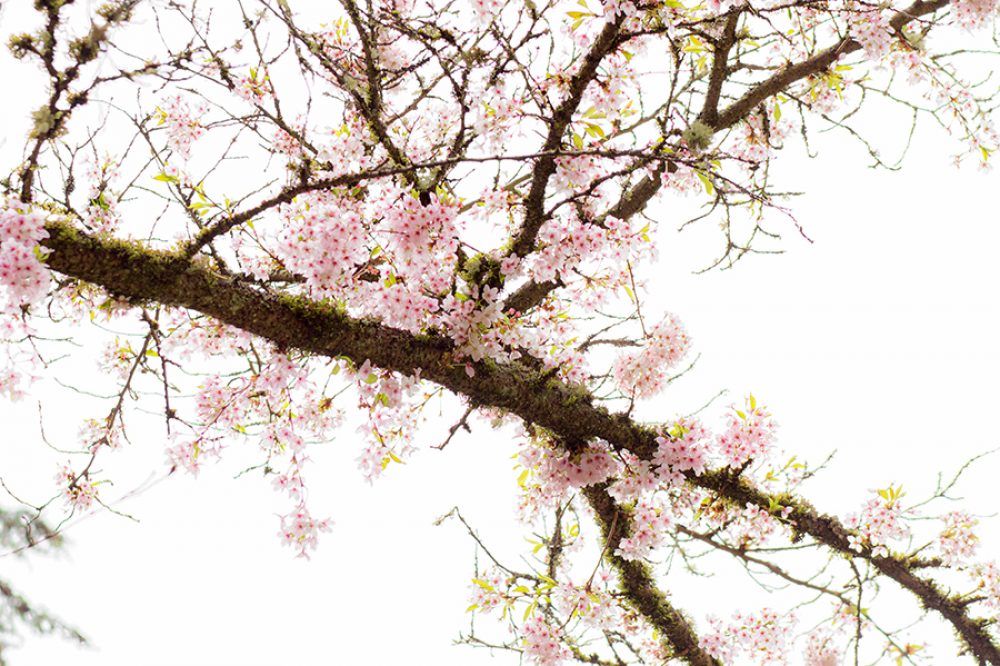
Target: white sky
<point x="879" y="340"/>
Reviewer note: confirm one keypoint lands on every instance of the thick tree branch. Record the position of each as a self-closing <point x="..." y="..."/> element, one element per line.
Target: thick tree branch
<point x="534" y="205"/>
<point x="720" y="69"/>
<point x="133" y="271"/>
<point x="792" y="73"/>
<point x="639" y="584"/>
<point x="635" y="199"/>
<point x="632" y="202"/>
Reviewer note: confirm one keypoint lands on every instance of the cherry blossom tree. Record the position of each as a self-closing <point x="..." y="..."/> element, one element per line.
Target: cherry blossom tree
<point x="286" y="221"/>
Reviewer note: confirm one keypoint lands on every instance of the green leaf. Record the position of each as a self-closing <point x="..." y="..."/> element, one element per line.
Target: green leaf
<point x="706" y="182"/>
<point x="371" y="379"/>
<point x="524" y="477"/>
<point x="694" y="45"/>
<point x="164" y="177"/>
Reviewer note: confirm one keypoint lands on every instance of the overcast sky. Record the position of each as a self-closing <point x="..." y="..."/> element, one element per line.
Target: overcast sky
<point x="878" y="340"/>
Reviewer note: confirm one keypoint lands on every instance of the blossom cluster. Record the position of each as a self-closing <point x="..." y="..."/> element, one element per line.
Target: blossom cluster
<point x="487" y="594"/>
<point x="761" y="638"/>
<point x="391" y="420"/>
<point x="651" y="525"/>
<point x="548" y="474"/>
<point x="684" y="447"/>
<point x="879" y="522"/>
<point x="14" y="378"/>
<point x="988" y="582"/>
<point x="591" y="603"/>
<point x="974" y="14"/>
<point x="301" y="531"/>
<point x="23" y="275"/>
<point x="870" y="27"/>
<point x="77" y="489"/>
<point x="323" y="240"/>
<point x="821" y="650"/>
<point x="637" y="479"/>
<point x="591" y="259"/>
<point x="253" y="85"/>
<point x="749" y="435"/>
<point x="754" y="526"/>
<point x="497" y="118"/>
<point x="279" y="404"/>
<point x="102" y="212"/>
<point x="485" y="10"/>
<point x="958" y="541"/>
<point x="645" y="372"/>
<point x="542" y="642"/>
<point x="182" y="123"/>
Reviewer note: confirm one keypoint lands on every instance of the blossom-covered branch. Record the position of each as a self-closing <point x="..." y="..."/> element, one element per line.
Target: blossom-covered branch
<point x="322" y="218"/>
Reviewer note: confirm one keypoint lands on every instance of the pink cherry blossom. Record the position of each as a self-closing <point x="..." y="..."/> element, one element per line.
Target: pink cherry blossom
<point x="762" y="638"/>
<point x="182" y="123"/>
<point x="749" y="435"/>
<point x="958" y="542"/>
<point x="645" y="372"/>
<point x="683" y="447"/>
<point x="542" y="642"/>
<point x="78" y="490"/>
<point x="988" y="582"/>
<point x="301" y="531"/>
<point x="821" y="650"/>
<point x="652" y="524"/>
<point x="974" y="14"/>
<point x="24" y="279"/>
<point x="880" y="522"/>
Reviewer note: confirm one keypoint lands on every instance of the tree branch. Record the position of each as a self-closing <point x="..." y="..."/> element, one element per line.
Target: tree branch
<point x="639" y="584"/>
<point x="534" y="204"/>
<point x="133" y="271"/>
<point x="814" y="65"/>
